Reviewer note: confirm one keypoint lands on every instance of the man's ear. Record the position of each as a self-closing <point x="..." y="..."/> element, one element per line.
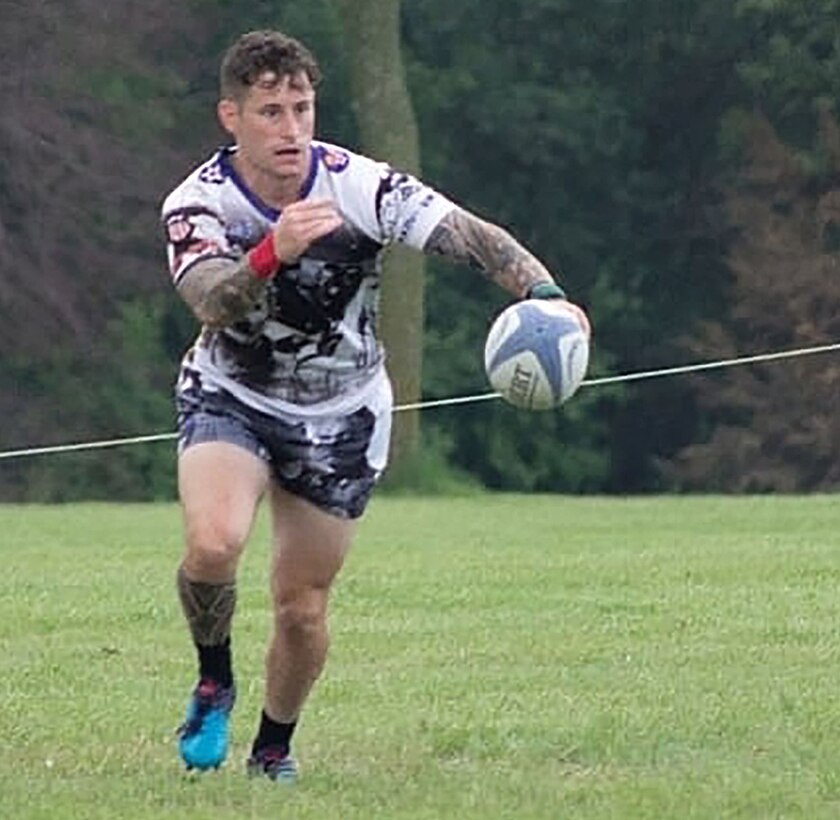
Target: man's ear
<point x="228" y="114"/>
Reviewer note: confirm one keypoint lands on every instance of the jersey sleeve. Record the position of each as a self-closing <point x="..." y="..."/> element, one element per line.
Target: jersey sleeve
<point x="387" y="204"/>
<point x="194" y="230"/>
<point x="407" y="209"/>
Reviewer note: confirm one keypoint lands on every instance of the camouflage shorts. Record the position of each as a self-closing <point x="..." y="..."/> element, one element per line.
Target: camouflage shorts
<point x="333" y="462"/>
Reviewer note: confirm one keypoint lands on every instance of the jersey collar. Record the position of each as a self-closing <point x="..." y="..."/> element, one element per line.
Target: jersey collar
<point x="268" y="211"/>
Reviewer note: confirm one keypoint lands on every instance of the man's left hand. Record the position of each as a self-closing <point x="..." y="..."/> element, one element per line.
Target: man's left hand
<point x="551" y="290"/>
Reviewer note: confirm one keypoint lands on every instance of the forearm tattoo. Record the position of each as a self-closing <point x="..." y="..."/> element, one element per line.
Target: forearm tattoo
<point x="221" y="291"/>
<point x="208" y="608"/>
<point x="466" y="238"/>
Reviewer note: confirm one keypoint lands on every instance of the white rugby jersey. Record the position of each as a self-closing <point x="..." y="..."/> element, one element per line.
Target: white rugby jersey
<point x="310" y="345"/>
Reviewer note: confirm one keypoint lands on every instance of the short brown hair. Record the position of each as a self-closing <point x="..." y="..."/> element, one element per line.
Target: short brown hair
<point x="257" y="52"/>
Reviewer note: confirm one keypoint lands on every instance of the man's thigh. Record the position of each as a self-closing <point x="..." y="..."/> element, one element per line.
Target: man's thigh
<point x="220" y="485"/>
<point x="310" y="544"/>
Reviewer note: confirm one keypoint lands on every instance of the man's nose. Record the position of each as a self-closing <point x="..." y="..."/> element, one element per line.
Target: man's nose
<point x="289" y="126"/>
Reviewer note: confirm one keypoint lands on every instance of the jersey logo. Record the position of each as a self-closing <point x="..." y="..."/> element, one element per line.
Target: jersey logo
<point x="179" y="228"/>
<point x="180" y="223"/>
<point x="213" y="173"/>
<point x="244" y="234"/>
<point x="335" y="160"/>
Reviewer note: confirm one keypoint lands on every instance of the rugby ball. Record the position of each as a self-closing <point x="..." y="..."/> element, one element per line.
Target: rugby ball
<point x="536" y="353"/>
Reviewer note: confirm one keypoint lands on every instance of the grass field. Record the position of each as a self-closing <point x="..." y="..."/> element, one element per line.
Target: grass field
<point x="493" y="657"/>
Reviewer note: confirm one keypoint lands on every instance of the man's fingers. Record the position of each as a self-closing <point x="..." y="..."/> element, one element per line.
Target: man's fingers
<point x="582" y="317"/>
<point x="303" y="215"/>
<point x="303" y="222"/>
<point x="306" y="209"/>
<point x="317" y="228"/>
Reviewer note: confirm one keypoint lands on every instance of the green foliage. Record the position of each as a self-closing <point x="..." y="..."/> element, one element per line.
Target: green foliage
<point x="601" y="133"/>
<point x="314" y="22"/>
<point x="121" y="389"/>
<point x="774" y="426"/>
<point x="793" y="64"/>
<point x="530" y="451"/>
<point x="597" y="152"/>
<point x="430" y="470"/>
<point x="140" y="108"/>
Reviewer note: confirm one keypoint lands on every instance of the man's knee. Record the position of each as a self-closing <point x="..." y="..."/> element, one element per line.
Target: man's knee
<point x="301" y="614"/>
<point x="213" y="548"/>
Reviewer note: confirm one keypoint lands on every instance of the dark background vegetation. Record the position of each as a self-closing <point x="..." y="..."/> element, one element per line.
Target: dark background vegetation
<point x="677" y="164"/>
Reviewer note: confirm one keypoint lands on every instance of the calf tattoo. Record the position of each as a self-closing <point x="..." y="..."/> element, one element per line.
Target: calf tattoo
<point x="466" y="238"/>
<point x="208" y="607"/>
<point x="221" y="291"/>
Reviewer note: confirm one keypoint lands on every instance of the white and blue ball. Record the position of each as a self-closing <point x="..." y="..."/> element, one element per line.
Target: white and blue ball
<point x="536" y="353"/>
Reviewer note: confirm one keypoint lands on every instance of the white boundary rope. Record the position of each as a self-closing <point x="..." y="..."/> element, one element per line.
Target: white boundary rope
<point x="426" y="405"/>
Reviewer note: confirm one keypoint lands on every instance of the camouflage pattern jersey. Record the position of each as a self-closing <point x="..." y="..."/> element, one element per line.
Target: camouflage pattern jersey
<point x="309" y="347"/>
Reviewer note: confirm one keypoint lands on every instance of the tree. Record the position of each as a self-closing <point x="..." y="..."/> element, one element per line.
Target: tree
<point x="88" y="96"/>
<point x="597" y="132"/>
<point x="589" y="130"/>
<point x="98" y="123"/>
<point x="774" y="427"/>
<point x="770" y="427"/>
<point x="792" y="62"/>
<point x="388" y="131"/>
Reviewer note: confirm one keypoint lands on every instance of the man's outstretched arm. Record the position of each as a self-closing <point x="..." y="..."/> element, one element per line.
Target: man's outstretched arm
<point x="463" y="237"/>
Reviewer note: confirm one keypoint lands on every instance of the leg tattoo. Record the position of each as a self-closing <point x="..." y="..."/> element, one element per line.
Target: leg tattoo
<point x="208" y="608"/>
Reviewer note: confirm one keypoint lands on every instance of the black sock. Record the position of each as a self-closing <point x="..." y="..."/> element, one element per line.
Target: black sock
<point x="214" y="662"/>
<point x="274" y="734"/>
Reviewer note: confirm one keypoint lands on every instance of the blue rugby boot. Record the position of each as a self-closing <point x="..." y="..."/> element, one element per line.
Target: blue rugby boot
<point x="203" y="737"/>
<point x="274" y="763"/>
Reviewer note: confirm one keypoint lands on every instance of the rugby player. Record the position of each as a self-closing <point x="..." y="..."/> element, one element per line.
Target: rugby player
<point x="274" y="243"/>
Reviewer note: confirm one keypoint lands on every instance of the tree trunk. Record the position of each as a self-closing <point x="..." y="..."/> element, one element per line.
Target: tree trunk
<point x="388" y="131"/>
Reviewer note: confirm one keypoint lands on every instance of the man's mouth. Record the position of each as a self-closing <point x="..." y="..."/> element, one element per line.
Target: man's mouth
<point x="287" y="152"/>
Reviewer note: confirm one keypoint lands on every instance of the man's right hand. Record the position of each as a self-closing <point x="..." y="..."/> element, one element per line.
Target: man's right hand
<point x="300" y="224"/>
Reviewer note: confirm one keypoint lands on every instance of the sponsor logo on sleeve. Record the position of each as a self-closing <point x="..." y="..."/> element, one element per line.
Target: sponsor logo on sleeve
<point x="180" y="224"/>
<point x="179" y="228"/>
<point x="182" y="233"/>
<point x="334" y="159"/>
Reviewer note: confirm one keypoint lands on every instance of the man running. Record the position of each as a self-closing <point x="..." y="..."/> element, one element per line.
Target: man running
<point x="274" y="244"/>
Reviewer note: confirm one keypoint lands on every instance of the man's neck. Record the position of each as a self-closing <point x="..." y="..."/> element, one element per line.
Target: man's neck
<point x="276" y="191"/>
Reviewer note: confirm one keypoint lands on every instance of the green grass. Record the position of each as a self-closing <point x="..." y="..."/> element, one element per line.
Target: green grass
<point x="493" y="657"/>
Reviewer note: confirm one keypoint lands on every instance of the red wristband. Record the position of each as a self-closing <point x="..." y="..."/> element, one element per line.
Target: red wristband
<point x="263" y="258"/>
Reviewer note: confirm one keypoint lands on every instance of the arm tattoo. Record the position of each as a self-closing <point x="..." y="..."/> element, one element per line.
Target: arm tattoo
<point x="221" y="291"/>
<point x="466" y="238"/>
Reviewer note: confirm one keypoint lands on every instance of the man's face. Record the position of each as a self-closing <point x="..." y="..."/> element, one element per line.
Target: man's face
<point x="273" y="125"/>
